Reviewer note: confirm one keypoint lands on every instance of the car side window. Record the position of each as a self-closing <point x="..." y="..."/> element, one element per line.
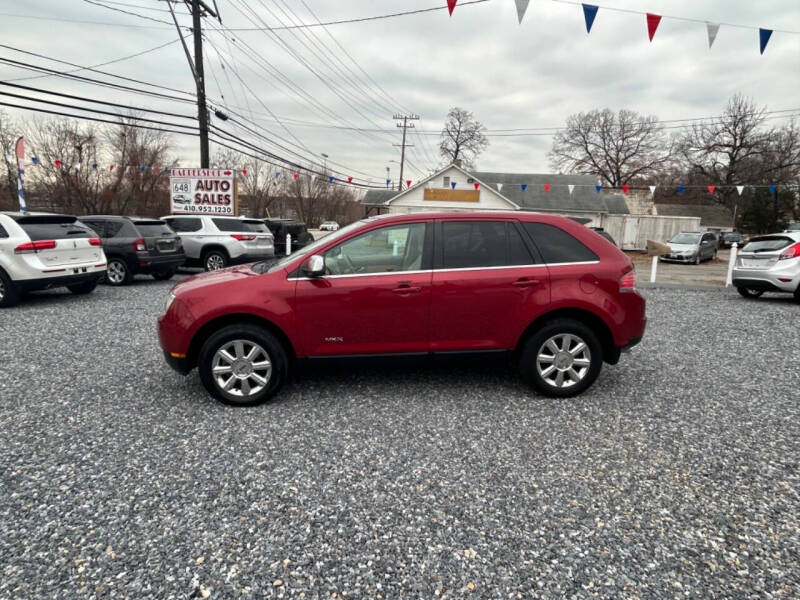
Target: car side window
<point x="518" y="253"/>
<point x="386" y="250"/>
<point x="557" y="246"/>
<point x="97" y="226"/>
<point x="473" y="244"/>
<point x="184" y="224"/>
<point x="114" y="228"/>
<point x="3" y="232"/>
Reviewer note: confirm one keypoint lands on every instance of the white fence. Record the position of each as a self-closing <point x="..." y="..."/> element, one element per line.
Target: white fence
<point x="632" y="231"/>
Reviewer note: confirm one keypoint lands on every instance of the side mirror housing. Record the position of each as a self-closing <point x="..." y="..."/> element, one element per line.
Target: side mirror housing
<point x="315" y="266"/>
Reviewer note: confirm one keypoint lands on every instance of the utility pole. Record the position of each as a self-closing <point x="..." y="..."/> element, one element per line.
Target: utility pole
<point x="405" y="125"/>
<point x="199" y="9"/>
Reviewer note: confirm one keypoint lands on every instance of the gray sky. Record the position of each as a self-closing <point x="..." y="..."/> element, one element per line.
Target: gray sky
<point x="509" y="75"/>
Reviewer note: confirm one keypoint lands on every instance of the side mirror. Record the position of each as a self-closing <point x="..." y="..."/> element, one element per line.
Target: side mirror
<point x="315" y="266"/>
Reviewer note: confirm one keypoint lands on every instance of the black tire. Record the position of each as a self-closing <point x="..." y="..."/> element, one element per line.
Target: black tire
<point x="79" y="289"/>
<point x="118" y="272"/>
<point x="213" y="260"/>
<point x="536" y="344"/>
<point x="251" y="337"/>
<point x="697" y="259"/>
<point x="797" y="295"/>
<point x="164" y="275"/>
<point x="9" y="295"/>
<point x="747" y="292"/>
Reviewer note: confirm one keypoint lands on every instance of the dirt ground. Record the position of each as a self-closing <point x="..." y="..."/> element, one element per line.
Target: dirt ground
<point x="710" y="272"/>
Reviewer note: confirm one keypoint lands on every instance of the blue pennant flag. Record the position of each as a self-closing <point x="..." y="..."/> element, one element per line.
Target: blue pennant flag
<point x="452" y="185"/>
<point x="773" y="189"/>
<point x="277" y="174"/>
<point x="34" y="160"/>
<point x="524" y="186"/>
<point x="598" y="188"/>
<point x="94" y="166"/>
<point x="143" y="170"/>
<point x="763" y="36"/>
<point x="330" y="178"/>
<point x="681" y="189"/>
<point x="388" y="181"/>
<point x="589" y="13"/>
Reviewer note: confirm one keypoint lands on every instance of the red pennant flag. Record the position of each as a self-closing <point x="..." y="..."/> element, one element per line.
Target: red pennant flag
<point x="408" y="183"/>
<point x="652" y="24"/>
<point x="451" y="4"/>
<point x="349" y="180"/>
<point x="296" y="175"/>
<point x="111" y="168"/>
<point x="546" y="187"/>
<point x="477" y="185"/>
<point x="244" y="172"/>
<point x="711" y="189"/>
<point x="625" y="189"/>
<point x="155" y="169"/>
<point x="57" y="163"/>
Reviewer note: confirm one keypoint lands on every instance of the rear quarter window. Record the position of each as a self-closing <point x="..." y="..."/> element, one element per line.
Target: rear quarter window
<point x="3" y="232"/>
<point x="53" y="228"/>
<point x="185" y="224"/>
<point x="558" y="246"/>
<point x="240" y="225"/>
<point x="153" y="229"/>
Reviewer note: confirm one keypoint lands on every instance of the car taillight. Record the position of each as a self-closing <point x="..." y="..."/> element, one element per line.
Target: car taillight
<point x="138" y="245"/>
<point x="792" y="251"/>
<point x="243" y="238"/>
<point x="95" y="242"/>
<point x="628" y="282"/>
<point x="33" y="247"/>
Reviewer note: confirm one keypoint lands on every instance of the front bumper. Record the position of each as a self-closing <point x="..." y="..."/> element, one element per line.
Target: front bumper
<point x="177" y="363"/>
<point x="690" y="258"/>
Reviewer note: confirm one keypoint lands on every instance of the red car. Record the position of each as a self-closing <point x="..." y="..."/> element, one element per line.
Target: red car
<point x="550" y="291"/>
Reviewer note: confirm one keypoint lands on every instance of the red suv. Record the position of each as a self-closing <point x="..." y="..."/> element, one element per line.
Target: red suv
<point x="554" y="293"/>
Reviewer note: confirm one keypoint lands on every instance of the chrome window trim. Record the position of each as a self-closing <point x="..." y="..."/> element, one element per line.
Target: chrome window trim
<point x="382" y="273"/>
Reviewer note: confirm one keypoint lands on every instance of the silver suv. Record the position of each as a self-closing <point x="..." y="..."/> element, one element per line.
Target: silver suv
<point x="769" y="263"/>
<point x="217" y="242"/>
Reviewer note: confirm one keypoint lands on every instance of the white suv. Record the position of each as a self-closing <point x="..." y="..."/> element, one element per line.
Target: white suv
<point x="40" y="251"/>
<point x="216" y="242"/>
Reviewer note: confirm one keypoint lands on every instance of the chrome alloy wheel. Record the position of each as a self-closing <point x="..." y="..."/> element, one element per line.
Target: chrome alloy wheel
<point x="241" y="368"/>
<point x="115" y="272"/>
<point x="563" y="360"/>
<point x="215" y="262"/>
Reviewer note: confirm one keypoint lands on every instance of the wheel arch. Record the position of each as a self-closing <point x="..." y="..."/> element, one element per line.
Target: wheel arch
<point x="611" y="353"/>
<point x="214" y="247"/>
<point x="208" y="328"/>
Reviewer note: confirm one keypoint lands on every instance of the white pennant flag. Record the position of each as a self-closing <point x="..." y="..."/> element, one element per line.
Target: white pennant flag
<point x="740" y="189"/>
<point x="652" y="189"/>
<point x="313" y="177"/>
<point x="499" y="187"/>
<point x="78" y="166"/>
<point x="712" y="28"/>
<point x="571" y="188"/>
<point x="522" y="6"/>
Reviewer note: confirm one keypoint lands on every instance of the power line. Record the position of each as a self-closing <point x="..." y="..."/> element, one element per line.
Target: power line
<point x="127" y="12"/>
<point x="81" y="21"/>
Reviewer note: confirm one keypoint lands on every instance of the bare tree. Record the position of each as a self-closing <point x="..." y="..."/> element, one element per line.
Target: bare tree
<point x="620" y="148"/>
<point x="462" y="137"/>
<point x="8" y="187"/>
<point x="259" y="188"/>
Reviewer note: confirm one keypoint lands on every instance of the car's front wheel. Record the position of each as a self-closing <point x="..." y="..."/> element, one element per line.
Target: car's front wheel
<point x="747" y="292"/>
<point x="242" y="365"/>
<point x="561" y="359"/>
<point x="87" y="287"/>
<point x="117" y="272"/>
<point x="9" y="295"/>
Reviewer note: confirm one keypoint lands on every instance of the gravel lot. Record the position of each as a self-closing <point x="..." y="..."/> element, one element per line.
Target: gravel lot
<point x="676" y="476"/>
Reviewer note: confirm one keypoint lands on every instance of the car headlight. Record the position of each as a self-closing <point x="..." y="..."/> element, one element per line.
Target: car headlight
<point x="170" y="298"/>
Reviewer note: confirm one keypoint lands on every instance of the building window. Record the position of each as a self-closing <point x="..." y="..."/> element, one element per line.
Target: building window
<point x="446" y="182"/>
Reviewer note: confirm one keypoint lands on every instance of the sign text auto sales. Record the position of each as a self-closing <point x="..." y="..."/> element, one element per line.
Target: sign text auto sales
<point x="207" y="191"/>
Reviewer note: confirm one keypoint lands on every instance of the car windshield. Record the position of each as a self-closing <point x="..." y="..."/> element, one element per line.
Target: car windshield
<point x="732" y="236"/>
<point x="153" y="228"/>
<point x="685" y="238"/>
<point x="310" y="249"/>
<point x="767" y="244"/>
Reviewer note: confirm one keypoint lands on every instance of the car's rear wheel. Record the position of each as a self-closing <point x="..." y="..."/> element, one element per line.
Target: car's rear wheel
<point x="117" y="272"/>
<point x="214" y="260"/>
<point x="747" y="292"/>
<point x="797" y="294"/>
<point x="242" y="365"/>
<point x="87" y="287"/>
<point x="561" y="359"/>
<point x="9" y="295"/>
<point x="164" y="275"/>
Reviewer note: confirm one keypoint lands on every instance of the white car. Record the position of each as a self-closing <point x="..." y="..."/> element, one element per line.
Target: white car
<point x="329" y="226"/>
<point x="41" y="250"/>
<point x="217" y="242"/>
<point x="769" y="263"/>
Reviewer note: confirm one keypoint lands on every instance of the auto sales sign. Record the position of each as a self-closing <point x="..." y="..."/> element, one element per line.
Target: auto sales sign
<point x="203" y="191"/>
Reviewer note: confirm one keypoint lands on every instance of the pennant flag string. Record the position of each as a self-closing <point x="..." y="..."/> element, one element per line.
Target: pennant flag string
<point x="589" y="13"/>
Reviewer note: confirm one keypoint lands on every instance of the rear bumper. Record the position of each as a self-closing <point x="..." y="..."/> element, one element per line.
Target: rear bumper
<point x="767" y="279"/>
<point x="154" y="264"/>
<point x="46" y="283"/>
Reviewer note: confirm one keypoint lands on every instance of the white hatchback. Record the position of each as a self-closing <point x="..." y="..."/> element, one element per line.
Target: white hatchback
<point x="41" y="250"/>
<point x="769" y="263"/>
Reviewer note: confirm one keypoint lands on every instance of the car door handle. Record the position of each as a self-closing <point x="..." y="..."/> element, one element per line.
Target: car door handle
<point x="404" y="288"/>
<point x="525" y="282"/>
